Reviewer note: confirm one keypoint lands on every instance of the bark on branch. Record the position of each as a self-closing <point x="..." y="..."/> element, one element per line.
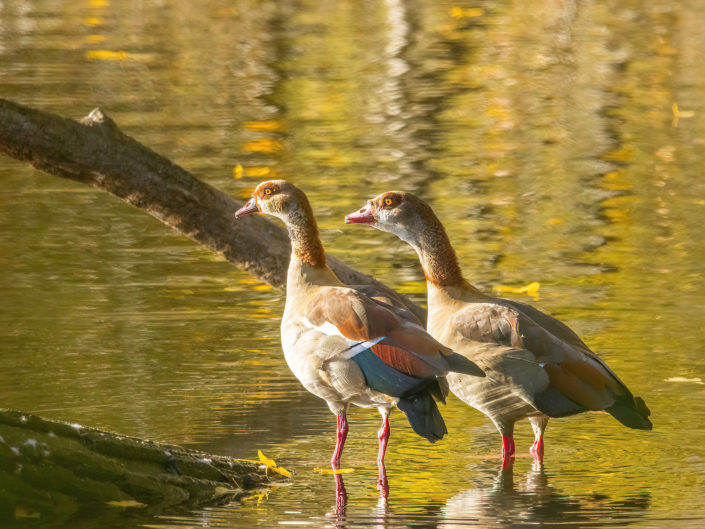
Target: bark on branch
<point x="96" y="152"/>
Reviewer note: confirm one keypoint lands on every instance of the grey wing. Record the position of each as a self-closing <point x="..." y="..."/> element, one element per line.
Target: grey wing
<point x="531" y="359"/>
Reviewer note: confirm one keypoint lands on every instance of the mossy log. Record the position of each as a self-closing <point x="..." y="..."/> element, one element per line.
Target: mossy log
<point x="49" y="467"/>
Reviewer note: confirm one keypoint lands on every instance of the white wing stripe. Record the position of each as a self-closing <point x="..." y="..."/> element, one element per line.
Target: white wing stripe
<point x="360" y="347"/>
<point x="327" y="328"/>
<point x="331" y="330"/>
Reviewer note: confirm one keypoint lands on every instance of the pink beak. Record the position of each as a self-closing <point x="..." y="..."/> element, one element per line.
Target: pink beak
<point x="247" y="209"/>
<point x="364" y="216"/>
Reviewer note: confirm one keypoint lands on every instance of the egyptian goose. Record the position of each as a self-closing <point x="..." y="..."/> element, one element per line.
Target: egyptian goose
<point x="348" y="348"/>
<point x="536" y="366"/>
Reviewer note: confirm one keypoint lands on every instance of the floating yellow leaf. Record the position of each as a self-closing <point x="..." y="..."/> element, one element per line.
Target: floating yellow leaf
<point x="472" y="12"/>
<point x="333" y="471"/>
<point x="258" y="171"/>
<point x="532" y="289"/>
<point x="263" y="125"/>
<point x="272" y="465"/>
<point x="615" y="174"/>
<point x="106" y="55"/>
<point x="678" y="114"/>
<point x="92" y="21"/>
<point x="99" y="3"/>
<point x="282" y="471"/>
<point x="95" y="38"/>
<point x="127" y="503"/>
<point x="238" y="171"/>
<point x="259" y="497"/>
<point x="555" y="221"/>
<point x="263" y="145"/>
<point x="268" y="462"/>
<point x="263" y="287"/>
<point x="620" y="155"/>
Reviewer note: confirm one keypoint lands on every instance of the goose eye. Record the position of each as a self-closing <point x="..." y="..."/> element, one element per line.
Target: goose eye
<point x="387" y="201"/>
<point x="268" y="191"/>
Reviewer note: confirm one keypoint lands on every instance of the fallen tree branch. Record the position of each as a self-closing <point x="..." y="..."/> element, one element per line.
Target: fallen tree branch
<point x="50" y="467"/>
<point x="96" y="152"/>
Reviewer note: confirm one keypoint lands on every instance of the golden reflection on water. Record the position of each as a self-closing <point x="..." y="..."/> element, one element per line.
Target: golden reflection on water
<point x="560" y="142"/>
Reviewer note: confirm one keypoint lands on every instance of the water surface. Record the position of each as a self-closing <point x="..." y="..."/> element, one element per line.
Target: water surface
<point x="560" y="143"/>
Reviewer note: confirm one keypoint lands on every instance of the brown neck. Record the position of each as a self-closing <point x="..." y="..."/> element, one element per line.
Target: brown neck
<point x="305" y="242"/>
<point x="438" y="259"/>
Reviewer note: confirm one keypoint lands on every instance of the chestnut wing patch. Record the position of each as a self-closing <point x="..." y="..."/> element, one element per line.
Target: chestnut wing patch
<point x="399" y="342"/>
<point x="403" y="360"/>
<point x="359" y="318"/>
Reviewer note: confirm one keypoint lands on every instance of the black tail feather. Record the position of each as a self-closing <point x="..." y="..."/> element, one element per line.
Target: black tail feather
<point x="424" y="416"/>
<point x="554" y="404"/>
<point x="459" y="364"/>
<point x="437" y="391"/>
<point x="631" y="412"/>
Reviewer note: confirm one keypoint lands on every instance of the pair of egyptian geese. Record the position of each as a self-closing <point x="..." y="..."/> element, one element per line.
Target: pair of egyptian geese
<point x="504" y="358"/>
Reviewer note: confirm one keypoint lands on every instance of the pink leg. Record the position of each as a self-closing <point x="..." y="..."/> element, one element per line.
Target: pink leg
<point x="539" y="426"/>
<point x="383" y="436"/>
<point x="507" y="450"/>
<point x="341" y="435"/>
<point x="537" y="447"/>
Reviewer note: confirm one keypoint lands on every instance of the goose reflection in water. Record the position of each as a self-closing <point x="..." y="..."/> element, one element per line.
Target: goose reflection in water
<point x="536" y="501"/>
<point x="341" y="497"/>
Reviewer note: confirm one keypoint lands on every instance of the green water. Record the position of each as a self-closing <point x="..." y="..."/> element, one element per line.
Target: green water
<point x="561" y="142"/>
